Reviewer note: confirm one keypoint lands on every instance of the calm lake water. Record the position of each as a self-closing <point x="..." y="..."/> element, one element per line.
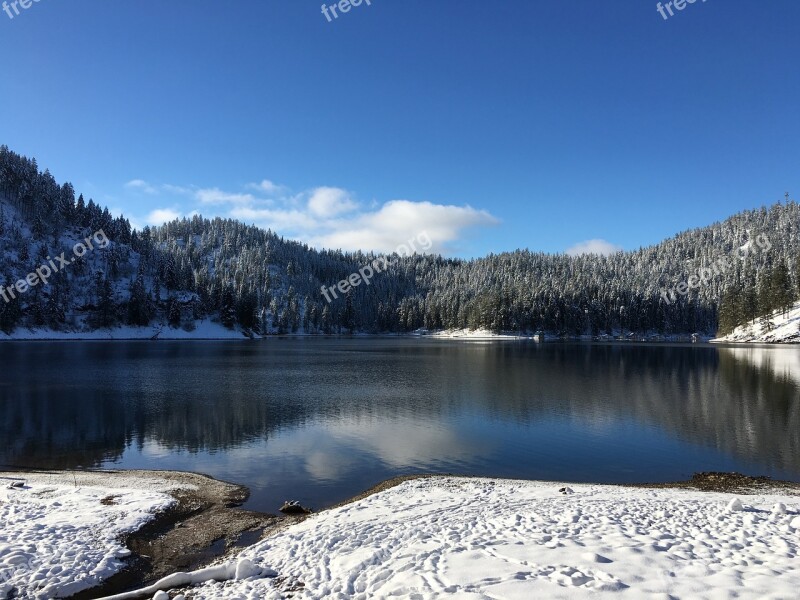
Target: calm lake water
<point x="320" y="420"/>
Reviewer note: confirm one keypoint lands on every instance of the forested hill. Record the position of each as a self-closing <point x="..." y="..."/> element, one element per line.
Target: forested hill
<point x="194" y="270"/>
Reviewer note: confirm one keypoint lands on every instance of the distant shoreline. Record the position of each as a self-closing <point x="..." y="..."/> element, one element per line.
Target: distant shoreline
<point x="215" y="332"/>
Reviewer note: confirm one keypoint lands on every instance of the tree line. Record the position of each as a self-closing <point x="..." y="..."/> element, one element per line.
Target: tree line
<point x="254" y="279"/>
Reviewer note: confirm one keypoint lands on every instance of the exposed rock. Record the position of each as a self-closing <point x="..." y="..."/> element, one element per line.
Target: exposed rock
<point x="294" y="508"/>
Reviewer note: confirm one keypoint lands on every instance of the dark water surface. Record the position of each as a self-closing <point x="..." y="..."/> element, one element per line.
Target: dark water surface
<point x="320" y="420"/>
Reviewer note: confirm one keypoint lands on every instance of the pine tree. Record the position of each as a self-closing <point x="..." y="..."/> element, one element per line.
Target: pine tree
<point x="227" y="308"/>
<point x="139" y="307"/>
<point x="173" y="311"/>
<point x="766" y="302"/>
<point x="326" y="320"/>
<point x="731" y="309"/>
<point x="105" y="302"/>
<point x="749" y="306"/>
<point x="781" y="288"/>
<point x="349" y="314"/>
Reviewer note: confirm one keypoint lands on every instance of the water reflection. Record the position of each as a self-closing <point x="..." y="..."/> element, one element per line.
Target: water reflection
<point x="322" y="419"/>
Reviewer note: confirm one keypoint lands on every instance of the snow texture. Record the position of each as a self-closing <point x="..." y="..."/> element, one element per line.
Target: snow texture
<point x="59" y="535"/>
<point x="480" y="538"/>
<point x="202" y="330"/>
<point x="776" y="328"/>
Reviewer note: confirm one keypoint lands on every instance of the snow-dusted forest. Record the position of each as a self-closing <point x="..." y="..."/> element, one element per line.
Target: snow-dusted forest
<point x="249" y="279"/>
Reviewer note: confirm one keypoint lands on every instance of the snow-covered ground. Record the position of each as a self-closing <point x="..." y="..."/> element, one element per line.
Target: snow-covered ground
<point x="203" y="330"/>
<point x="60" y="535"/>
<point x="426" y="538"/>
<point x="616" y="335"/>
<point x="778" y="328"/>
<point x="481" y="538"/>
<point x="477" y="334"/>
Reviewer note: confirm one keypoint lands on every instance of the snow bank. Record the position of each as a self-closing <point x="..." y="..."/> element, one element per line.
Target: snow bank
<point x="203" y="330"/>
<point x="480" y="538"/>
<point x="782" y="329"/>
<point x="237" y="570"/>
<point x="58" y="538"/>
<point x="477" y="334"/>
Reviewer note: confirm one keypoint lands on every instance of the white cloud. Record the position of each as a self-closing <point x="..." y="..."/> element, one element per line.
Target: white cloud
<point x="327" y="202"/>
<point x="596" y="246"/>
<point x="326" y="217"/>
<point x="267" y="187"/>
<point x="277" y="220"/>
<point x="399" y="221"/>
<point x="161" y="216"/>
<point x="177" y="189"/>
<point x="217" y="196"/>
<point x="142" y="186"/>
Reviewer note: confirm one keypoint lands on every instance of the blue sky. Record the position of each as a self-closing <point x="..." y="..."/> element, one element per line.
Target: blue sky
<point x="492" y="125"/>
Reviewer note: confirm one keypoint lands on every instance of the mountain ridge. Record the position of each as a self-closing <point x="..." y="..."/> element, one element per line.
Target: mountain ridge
<point x="190" y="272"/>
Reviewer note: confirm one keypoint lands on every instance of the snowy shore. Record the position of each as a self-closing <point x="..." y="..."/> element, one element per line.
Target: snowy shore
<point x="203" y="330"/>
<point x="482" y="538"/>
<point x="211" y="331"/>
<point x="430" y="538"/>
<point x="61" y="534"/>
<point x="776" y="328"/>
<point x="487" y="539"/>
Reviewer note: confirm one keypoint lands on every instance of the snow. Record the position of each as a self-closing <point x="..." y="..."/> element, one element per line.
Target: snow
<point x="477" y="334"/>
<point x="237" y="570"/>
<point x="203" y="330"/>
<point x="468" y="538"/>
<point x="58" y="537"/>
<point x="615" y="336"/>
<point x="782" y="329"/>
<point x="481" y="538"/>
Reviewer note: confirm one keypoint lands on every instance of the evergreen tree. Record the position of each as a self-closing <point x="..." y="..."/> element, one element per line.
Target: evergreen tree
<point x="749" y="304"/>
<point x="732" y="309"/>
<point x="781" y="288"/>
<point x="10" y="312"/>
<point x="349" y="313"/>
<point x="223" y="264"/>
<point x="173" y="311"/>
<point x="139" y="307"/>
<point x="326" y="320"/>
<point x="105" y="302"/>
<point x="227" y="308"/>
<point x="766" y="301"/>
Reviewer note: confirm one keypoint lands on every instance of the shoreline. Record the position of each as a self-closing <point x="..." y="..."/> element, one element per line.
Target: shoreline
<point x="167" y="334"/>
<point x="201" y="525"/>
<point x="206" y="524"/>
<point x="425" y="536"/>
<point x="440" y="336"/>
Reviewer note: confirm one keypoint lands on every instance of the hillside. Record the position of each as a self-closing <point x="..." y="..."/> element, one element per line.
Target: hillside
<point x="220" y="278"/>
<point x="778" y="327"/>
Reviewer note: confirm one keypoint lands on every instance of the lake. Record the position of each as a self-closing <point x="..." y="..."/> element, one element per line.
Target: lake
<point x="322" y="419"/>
